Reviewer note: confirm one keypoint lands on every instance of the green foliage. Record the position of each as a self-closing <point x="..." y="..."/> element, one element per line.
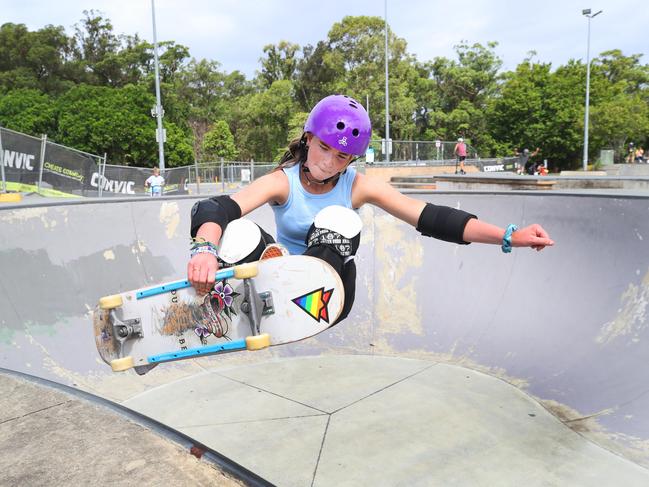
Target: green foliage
<point x="219" y="143"/>
<point x="540" y="108"/>
<point x="27" y="110"/>
<point x="94" y="90"/>
<point x="280" y="62"/>
<point x="100" y="119"/>
<point x="178" y="150"/>
<point x="263" y="121"/>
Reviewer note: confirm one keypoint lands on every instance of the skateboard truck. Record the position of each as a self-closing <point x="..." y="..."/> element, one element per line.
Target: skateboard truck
<point x="255" y="305"/>
<point x="125" y="330"/>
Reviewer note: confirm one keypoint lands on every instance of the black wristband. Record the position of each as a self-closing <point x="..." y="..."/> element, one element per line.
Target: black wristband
<point x="444" y="223"/>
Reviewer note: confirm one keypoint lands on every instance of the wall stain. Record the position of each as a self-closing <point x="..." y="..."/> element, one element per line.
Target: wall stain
<point x="170" y="217"/>
<point x="631" y="320"/>
<point x="400" y="258"/>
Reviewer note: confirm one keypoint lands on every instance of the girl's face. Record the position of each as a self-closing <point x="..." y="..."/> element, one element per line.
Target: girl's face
<point x="323" y="160"/>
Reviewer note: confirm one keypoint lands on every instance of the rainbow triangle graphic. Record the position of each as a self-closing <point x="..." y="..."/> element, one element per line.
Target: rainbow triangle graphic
<point x="315" y="304"/>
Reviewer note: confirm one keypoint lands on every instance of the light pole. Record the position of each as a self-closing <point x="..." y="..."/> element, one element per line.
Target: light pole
<point x="586" y="13"/>
<point x="158" y="111"/>
<point x="387" y="91"/>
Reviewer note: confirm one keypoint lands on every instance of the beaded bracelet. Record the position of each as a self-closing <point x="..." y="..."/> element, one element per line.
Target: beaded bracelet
<point x="204" y="250"/>
<point x="202" y="246"/>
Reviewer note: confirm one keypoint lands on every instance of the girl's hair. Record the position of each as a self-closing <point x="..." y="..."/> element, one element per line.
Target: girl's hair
<point x="296" y="153"/>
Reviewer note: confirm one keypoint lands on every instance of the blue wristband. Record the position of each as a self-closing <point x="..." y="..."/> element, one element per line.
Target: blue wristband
<point x="507" y="238"/>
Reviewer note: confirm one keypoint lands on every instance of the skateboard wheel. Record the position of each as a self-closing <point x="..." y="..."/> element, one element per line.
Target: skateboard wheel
<point x="245" y="271"/>
<point x="122" y="364"/>
<point x="258" y="342"/>
<point x="110" y="302"/>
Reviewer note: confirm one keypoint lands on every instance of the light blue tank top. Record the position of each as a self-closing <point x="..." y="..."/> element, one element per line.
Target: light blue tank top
<point x="294" y="218"/>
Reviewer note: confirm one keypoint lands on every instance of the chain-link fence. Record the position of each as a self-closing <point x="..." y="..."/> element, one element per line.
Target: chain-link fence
<point x="36" y="165"/>
<point x="222" y="176"/>
<point x="32" y="164"/>
<point x="427" y="151"/>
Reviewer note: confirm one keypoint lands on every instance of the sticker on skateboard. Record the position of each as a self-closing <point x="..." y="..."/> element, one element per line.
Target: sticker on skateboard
<point x="251" y="306"/>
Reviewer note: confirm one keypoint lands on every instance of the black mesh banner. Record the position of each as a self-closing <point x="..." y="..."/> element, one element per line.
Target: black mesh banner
<point x="176" y="180"/>
<point x="68" y="170"/>
<point x="125" y="180"/>
<point x="21" y="157"/>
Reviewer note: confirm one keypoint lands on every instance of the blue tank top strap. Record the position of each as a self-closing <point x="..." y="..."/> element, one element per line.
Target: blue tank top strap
<point x="294" y="218"/>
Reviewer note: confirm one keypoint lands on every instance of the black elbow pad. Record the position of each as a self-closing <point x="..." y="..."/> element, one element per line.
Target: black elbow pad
<point x="443" y="223"/>
<point x="220" y="210"/>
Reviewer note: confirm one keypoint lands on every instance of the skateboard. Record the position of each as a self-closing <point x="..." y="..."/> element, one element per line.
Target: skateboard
<point x="252" y="306"/>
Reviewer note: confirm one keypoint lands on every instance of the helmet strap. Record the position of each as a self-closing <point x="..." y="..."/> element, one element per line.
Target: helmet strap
<point x="310" y="181"/>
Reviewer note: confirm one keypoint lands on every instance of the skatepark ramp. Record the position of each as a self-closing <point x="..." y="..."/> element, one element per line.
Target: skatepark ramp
<point x="443" y="341"/>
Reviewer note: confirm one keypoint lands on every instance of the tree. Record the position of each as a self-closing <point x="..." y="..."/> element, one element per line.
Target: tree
<point x="457" y="95"/>
<point x="280" y="62"/>
<point x="95" y="49"/>
<point x="100" y="119"/>
<point x="34" y="59"/>
<point x="205" y="93"/>
<point x="27" y="110"/>
<point x="618" y="121"/>
<point x="357" y="52"/>
<point x="262" y="121"/>
<point x="178" y="150"/>
<point x="315" y="78"/>
<point x="540" y="108"/>
<point x="219" y="143"/>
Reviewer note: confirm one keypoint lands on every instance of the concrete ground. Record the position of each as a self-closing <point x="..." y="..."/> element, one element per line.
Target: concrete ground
<point x="382" y="421"/>
<point x="459" y="365"/>
<point x="49" y="437"/>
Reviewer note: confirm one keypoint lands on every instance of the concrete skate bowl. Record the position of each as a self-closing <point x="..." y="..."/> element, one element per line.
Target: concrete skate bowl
<point x="566" y="328"/>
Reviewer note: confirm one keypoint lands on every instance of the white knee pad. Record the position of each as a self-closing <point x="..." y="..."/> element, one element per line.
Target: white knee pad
<point x="240" y="239"/>
<point x="337" y="227"/>
<point x="339" y="219"/>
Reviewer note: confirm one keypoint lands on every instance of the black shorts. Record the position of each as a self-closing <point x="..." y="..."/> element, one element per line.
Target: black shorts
<point x="461" y="158"/>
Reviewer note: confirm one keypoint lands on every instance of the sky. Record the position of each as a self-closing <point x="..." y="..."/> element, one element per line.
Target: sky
<point x="234" y="32"/>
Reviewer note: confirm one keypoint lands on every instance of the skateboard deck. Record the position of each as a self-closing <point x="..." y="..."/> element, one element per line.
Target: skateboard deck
<point x="252" y="306"/>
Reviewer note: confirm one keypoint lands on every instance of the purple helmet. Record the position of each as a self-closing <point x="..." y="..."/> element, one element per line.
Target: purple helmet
<point x="342" y="123"/>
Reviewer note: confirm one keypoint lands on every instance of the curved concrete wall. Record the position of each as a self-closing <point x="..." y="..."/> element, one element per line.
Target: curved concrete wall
<point x="568" y="325"/>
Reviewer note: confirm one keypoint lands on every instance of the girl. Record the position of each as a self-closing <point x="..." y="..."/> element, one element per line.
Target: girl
<point x="314" y="194"/>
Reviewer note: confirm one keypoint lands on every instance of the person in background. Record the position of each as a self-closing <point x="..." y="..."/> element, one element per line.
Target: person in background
<point x="155" y="182"/>
<point x="630" y="158"/>
<point x="541" y="170"/>
<point x="525" y="162"/>
<point x="460" y="152"/>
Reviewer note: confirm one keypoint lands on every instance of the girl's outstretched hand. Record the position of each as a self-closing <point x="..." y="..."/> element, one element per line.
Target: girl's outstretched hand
<point x="532" y="236"/>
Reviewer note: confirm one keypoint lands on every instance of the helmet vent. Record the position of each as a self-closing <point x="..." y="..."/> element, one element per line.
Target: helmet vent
<point x="355" y="132"/>
<point x="353" y="105"/>
<point x="340" y="126"/>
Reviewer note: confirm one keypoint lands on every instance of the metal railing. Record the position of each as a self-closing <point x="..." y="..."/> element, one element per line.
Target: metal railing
<point x="33" y="164"/>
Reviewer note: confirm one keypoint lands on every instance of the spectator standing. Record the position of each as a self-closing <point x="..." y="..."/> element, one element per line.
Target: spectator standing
<point x="460" y="152"/>
<point x="155" y="182"/>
